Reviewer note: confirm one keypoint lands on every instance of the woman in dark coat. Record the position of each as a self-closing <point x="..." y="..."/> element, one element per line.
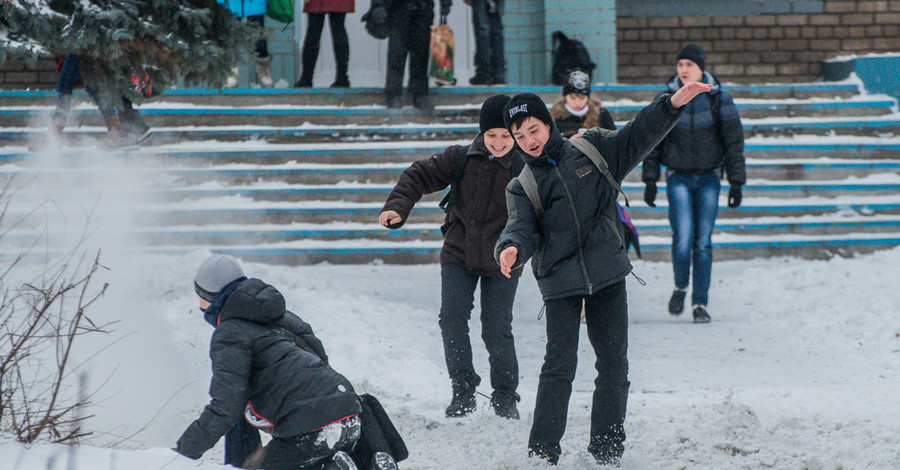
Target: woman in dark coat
<point x="337" y="11"/>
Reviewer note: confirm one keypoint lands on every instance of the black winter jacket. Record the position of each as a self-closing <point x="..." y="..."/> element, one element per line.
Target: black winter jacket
<point x="695" y="145"/>
<point x="479" y="214"/>
<point x="576" y="244"/>
<point x="257" y="370"/>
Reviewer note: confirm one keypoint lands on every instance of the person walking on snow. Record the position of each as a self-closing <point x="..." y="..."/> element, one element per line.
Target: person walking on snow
<point x="578" y="257"/>
<point x="708" y="137"/>
<point x="475" y="217"/>
<point x="270" y="369"/>
<point x="315" y="12"/>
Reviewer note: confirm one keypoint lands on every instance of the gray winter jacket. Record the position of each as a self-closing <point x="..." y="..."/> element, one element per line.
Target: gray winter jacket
<point x="262" y="374"/>
<point x="576" y="244"/>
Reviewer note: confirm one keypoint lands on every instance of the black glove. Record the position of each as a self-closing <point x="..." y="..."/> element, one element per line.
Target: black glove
<point x="445" y="7"/>
<point x="734" y="196"/>
<point x="650" y="194"/>
<point x="378" y="14"/>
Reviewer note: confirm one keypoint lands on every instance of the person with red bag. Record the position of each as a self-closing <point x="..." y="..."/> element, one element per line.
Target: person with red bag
<point x="337" y="11"/>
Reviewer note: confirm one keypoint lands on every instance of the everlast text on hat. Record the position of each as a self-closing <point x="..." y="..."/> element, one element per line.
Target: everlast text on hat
<point x="522" y="108"/>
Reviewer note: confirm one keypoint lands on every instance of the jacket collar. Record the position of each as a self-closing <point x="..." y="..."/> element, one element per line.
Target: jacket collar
<point x="674" y="83"/>
<point x="552" y="149"/>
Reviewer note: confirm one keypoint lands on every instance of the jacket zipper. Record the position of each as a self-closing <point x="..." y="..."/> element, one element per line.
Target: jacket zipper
<point x="584" y="272"/>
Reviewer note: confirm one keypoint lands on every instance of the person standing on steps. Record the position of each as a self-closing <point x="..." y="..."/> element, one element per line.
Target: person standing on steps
<point x="709" y="137"/>
<point x="409" y="25"/>
<point x="487" y="21"/>
<point x="476" y="214"/>
<point x="255" y="12"/>
<point x="315" y="12"/>
<point x="578" y="256"/>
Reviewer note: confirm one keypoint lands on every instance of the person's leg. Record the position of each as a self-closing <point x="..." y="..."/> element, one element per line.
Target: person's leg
<point x="606" y="315"/>
<point x="262" y="46"/>
<point x="555" y="383"/>
<point x="420" y="37"/>
<point x="457" y="296"/>
<point x="706" y="208"/>
<point x="498" y="59"/>
<point x="681" y="219"/>
<point x="481" y="28"/>
<point x="69" y="75"/>
<point x="314" y="24"/>
<point x="341" y="45"/>
<point x="398" y="48"/>
<point x="240" y="442"/>
<point x="314" y="449"/>
<point x="132" y="122"/>
<point x="497" y="296"/>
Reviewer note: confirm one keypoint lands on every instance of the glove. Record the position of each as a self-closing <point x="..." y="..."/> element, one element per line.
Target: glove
<point x="445" y="7"/>
<point x="734" y="196"/>
<point x="378" y="14"/>
<point x="650" y="194"/>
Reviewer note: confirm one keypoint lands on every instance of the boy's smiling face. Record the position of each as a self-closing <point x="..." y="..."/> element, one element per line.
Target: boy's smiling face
<point x="498" y="141"/>
<point x="531" y="135"/>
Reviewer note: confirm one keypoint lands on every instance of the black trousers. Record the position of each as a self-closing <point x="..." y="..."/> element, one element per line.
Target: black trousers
<point x="312" y="450"/>
<point x="457" y="300"/>
<point x="339" y="42"/>
<point x="606" y="314"/>
<point x="410" y="34"/>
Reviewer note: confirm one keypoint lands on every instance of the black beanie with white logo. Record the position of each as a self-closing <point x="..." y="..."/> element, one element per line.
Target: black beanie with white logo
<point x="526" y="105"/>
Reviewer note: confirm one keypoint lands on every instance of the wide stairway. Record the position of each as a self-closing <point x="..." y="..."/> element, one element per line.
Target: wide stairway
<point x="299" y="176"/>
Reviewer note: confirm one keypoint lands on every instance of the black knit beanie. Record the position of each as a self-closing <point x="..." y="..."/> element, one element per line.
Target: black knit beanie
<point x="492" y="113"/>
<point x="526" y="105"/>
<point x="578" y="82"/>
<point x="693" y="53"/>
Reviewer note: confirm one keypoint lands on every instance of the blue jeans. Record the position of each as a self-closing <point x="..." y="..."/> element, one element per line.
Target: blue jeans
<point x="693" y="206"/>
<point x="69" y="75"/>
<point x="488" y="27"/>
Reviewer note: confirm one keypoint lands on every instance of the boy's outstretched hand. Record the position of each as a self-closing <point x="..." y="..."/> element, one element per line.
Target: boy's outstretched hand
<point x="508" y="259"/>
<point x="688" y="92"/>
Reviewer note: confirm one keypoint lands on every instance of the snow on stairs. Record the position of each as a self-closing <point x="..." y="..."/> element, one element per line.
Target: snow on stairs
<point x="299" y="177"/>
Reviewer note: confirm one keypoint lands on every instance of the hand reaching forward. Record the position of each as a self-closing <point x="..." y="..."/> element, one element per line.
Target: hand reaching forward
<point x="389" y="219"/>
<point x="508" y="259"/>
<point x="688" y="92"/>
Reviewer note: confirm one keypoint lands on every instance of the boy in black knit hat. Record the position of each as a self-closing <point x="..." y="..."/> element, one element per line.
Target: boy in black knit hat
<point x="578" y="256"/>
<point x="476" y="214"/>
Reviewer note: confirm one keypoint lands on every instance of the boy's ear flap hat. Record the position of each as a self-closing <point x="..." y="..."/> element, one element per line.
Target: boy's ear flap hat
<point x="526" y="105"/>
<point x="216" y="272"/>
<point x="693" y="53"/>
<point x="492" y="113"/>
<point x="578" y="82"/>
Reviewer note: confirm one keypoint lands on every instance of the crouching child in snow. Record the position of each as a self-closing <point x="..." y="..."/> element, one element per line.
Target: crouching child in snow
<point x="476" y="214"/>
<point x="578" y="256"/>
<point x="271" y="370"/>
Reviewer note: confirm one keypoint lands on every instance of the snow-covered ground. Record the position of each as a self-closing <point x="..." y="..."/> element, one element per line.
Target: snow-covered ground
<point x="798" y="369"/>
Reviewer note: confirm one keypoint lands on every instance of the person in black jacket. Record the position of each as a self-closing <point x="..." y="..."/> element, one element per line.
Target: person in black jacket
<point x="708" y="137"/>
<point x="474" y="221"/>
<point x="271" y="370"/>
<point x="409" y="23"/>
<point x="578" y="256"/>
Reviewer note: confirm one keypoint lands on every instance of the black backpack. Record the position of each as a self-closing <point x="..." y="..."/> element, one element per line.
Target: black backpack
<point x="568" y="55"/>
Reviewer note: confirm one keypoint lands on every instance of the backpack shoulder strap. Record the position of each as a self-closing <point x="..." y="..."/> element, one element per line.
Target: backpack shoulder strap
<point x="594" y="155"/>
<point x="529" y="184"/>
<point x="461" y="158"/>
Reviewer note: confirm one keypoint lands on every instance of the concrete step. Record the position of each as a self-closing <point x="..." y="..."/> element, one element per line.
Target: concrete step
<point x="169" y="114"/>
<point x="446" y="95"/>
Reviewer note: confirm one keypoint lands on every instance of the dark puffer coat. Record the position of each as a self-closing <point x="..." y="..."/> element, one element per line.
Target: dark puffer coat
<point x="696" y="145"/>
<point x="479" y="214"/>
<point x="292" y="388"/>
<point x="576" y="244"/>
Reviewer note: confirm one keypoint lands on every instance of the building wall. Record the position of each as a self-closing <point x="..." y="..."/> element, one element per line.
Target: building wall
<point x="764" y="47"/>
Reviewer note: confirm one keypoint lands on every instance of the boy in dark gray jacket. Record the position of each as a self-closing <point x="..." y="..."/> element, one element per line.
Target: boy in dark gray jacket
<point x="579" y="256"/>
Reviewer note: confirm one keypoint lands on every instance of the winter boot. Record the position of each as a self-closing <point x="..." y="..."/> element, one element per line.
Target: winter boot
<point x="264" y="71"/>
<point x="504" y="404"/>
<point x="113" y="132"/>
<point x="341" y="461"/>
<point x="676" y="303"/>
<point x="341" y="81"/>
<point x="383" y="461"/>
<point x="551" y="456"/>
<point x="463" y="401"/>
<point x="480" y="79"/>
<point x="232" y="80"/>
<point x="700" y="314"/>
<point x="608" y="449"/>
<point x="422" y="103"/>
<point x="306" y="79"/>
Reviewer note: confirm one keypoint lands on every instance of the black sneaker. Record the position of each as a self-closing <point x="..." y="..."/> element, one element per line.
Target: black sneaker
<point x="551" y="456"/>
<point x="504" y="404"/>
<point x="676" y="303"/>
<point x="607" y="450"/>
<point x="340" y="82"/>
<point x="463" y="402"/>
<point x="481" y="79"/>
<point x="422" y="102"/>
<point x="701" y="315"/>
<point x="394" y="102"/>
